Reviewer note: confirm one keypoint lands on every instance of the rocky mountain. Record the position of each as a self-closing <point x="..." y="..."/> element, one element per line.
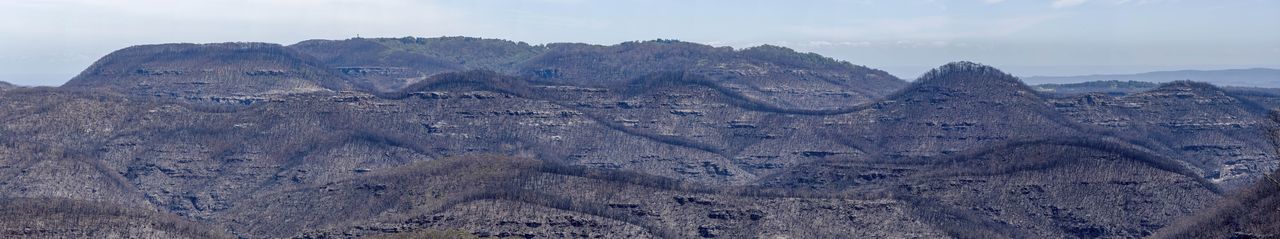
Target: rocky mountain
<point x="494" y="138"/>
<point x="6" y="85"/>
<point x="1254" y="77"/>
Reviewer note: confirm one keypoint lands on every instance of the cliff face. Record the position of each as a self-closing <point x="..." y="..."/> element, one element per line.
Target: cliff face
<point x="688" y="143"/>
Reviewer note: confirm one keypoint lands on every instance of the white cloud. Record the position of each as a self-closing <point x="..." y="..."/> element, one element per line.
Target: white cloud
<point x="1067" y="3"/>
<point x="992" y="1"/>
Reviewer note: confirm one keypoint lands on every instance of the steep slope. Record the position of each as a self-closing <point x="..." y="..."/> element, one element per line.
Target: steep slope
<point x="1252" y="213"/>
<point x="6" y="86"/>
<point x="208" y="70"/>
<point x="1223" y="136"/>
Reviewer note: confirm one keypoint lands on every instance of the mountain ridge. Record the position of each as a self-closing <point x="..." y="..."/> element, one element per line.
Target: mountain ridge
<point x="777" y="75"/>
<point x="696" y="141"/>
<point x="1251" y="77"/>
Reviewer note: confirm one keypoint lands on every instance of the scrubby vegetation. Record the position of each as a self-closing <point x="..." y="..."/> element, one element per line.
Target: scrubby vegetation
<point x="1252" y="213"/>
<point x="63" y="218"/>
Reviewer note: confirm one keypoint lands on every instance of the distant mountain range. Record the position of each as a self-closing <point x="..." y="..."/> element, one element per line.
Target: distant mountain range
<point x="1255" y="77"/>
<point x="1110" y="87"/>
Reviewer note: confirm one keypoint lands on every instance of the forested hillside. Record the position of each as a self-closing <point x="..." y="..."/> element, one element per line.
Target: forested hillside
<point x="654" y="139"/>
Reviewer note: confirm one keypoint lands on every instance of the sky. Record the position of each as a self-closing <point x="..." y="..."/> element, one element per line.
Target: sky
<point x="46" y="42"/>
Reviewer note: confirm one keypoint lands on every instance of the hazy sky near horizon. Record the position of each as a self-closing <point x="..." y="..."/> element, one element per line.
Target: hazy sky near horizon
<point x="46" y="42"/>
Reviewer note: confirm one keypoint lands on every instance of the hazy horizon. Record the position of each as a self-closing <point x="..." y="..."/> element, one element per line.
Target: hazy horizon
<point x="49" y="41"/>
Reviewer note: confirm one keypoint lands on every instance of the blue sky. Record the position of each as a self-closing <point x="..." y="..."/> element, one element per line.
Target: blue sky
<point x="45" y="42"/>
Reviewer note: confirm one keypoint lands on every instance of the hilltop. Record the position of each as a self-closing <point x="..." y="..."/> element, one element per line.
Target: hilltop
<point x="209" y="70"/>
<point x="769" y="73"/>
<point x="242" y="72"/>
